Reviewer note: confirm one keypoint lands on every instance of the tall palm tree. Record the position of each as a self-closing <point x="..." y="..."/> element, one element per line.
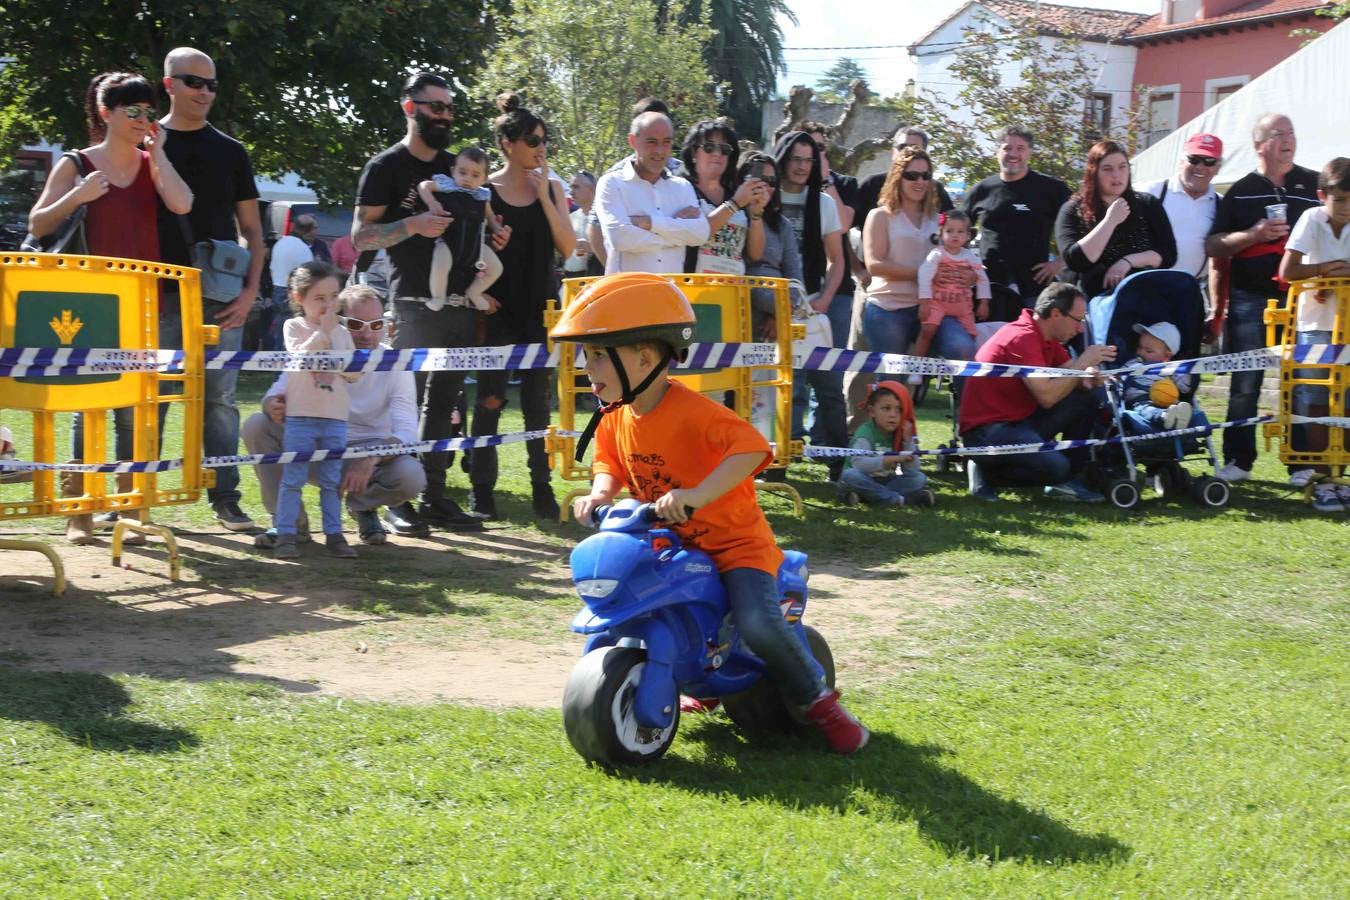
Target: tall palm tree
<point x="746" y="52"/>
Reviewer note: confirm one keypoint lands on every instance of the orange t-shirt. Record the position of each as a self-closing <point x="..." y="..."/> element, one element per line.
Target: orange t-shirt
<point x="677" y="445"/>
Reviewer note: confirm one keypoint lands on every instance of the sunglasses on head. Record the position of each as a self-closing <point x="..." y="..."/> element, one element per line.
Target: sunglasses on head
<point x="916" y="176"/>
<point x="437" y="107"/>
<point x="135" y="112"/>
<point x="715" y="147"/>
<point x="359" y="325"/>
<point x="197" y="82"/>
<point x="1209" y="161"/>
<point x="533" y="140"/>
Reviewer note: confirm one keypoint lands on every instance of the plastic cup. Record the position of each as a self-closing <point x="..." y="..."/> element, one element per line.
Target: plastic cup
<point x="1277" y="212"/>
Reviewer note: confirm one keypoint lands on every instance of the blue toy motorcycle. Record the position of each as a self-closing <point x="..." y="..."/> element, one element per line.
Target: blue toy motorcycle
<point x="658" y="626"/>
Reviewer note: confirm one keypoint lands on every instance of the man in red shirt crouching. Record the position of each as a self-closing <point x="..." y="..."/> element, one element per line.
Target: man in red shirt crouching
<point x="997" y="411"/>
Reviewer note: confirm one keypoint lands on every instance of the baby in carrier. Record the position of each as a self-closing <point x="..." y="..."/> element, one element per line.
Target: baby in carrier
<point x="462" y="264"/>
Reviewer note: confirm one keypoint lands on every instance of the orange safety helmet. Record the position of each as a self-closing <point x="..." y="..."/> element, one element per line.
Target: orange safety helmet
<point x="624" y="309"/>
<point x="628" y="308"/>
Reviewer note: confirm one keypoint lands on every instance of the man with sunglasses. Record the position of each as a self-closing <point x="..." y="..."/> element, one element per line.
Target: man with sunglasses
<point x="383" y="410"/>
<point x="1251" y="225"/>
<point x="224" y="208"/>
<point x="1190" y="202"/>
<point x="390" y="215"/>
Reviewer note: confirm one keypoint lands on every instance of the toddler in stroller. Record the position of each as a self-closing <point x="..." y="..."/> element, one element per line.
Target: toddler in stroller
<point x="1151" y="317"/>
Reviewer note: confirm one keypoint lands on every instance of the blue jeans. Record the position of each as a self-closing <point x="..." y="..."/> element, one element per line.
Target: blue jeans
<point x="1074" y="417"/>
<point x="888" y="492"/>
<point x="277" y="315"/>
<point x="1310" y="400"/>
<point x="220" y="416"/>
<point x="840" y="314"/>
<point x="753" y="595"/>
<point x="1243" y="330"/>
<point x="893" y="331"/>
<point x="310" y="433"/>
<point x="124" y="426"/>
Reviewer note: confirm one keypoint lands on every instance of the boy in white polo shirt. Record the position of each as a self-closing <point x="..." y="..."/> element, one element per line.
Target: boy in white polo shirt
<point x="1319" y="247"/>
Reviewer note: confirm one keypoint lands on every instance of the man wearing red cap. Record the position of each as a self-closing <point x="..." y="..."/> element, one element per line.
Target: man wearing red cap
<point x="1190" y="202"/>
<point x="1251" y="226"/>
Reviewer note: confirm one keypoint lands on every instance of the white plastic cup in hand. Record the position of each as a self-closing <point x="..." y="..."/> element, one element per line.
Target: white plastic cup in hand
<point x="1277" y="212"/>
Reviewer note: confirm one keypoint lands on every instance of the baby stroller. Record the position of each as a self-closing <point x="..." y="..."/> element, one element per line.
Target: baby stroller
<point x="1145" y="298"/>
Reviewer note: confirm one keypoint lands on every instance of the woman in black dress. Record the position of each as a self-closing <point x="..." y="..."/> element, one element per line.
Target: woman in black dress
<point x="534" y="207"/>
<point x="1106" y="230"/>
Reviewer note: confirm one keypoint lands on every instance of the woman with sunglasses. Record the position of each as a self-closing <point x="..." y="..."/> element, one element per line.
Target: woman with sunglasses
<point x="533" y="206"/>
<point x="709" y="156"/>
<point x="120" y="192"/>
<point x="897" y="236"/>
<point x="1107" y="230"/>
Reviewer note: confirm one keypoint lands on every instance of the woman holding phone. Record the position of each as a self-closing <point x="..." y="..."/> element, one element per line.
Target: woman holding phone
<point x="120" y="191"/>
<point x="709" y="154"/>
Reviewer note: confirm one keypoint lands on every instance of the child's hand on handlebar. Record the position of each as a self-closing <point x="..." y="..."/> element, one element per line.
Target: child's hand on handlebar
<point x="675" y="507"/>
<point x="583" y="507"/>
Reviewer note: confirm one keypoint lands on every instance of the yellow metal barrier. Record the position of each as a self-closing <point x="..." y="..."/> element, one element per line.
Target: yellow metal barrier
<point x="61" y="301"/>
<point x="1280" y="324"/>
<point x="723" y="310"/>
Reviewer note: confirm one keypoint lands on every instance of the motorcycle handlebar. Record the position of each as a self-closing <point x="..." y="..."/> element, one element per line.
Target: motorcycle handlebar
<point x="648" y="513"/>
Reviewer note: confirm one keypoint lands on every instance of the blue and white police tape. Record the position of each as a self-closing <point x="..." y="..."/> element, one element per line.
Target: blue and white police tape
<point x="1042" y="447"/>
<point x="35" y="362"/>
<point x="216" y="462"/>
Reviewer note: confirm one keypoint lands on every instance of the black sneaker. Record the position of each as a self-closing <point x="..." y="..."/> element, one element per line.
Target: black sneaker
<point x="369" y="527"/>
<point x="921" y="497"/>
<point x="404" y="521"/>
<point x="484" y="502"/>
<point x="445" y="513"/>
<point x="232" y="517"/>
<point x="545" y="504"/>
<point x="338" y="546"/>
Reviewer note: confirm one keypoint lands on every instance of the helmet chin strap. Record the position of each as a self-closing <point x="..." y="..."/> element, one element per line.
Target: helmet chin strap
<point x="628" y="395"/>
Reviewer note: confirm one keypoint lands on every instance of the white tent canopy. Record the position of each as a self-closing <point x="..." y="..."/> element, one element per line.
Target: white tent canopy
<point x="1311" y="87"/>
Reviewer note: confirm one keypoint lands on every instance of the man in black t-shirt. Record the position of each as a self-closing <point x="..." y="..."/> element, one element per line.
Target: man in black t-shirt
<point x="1249" y="229"/>
<point x="390" y="215"/>
<point x="1015" y="213"/>
<point x="869" y="189"/>
<point x="224" y="208"/>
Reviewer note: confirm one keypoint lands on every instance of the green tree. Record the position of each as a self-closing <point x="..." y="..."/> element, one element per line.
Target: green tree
<point x="835" y="84"/>
<point x="745" y="53"/>
<point x="309" y="88"/>
<point x="581" y="64"/>
<point x="1047" y="93"/>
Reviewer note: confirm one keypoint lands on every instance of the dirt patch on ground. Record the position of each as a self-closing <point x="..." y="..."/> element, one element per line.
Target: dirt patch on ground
<point x="306" y="639"/>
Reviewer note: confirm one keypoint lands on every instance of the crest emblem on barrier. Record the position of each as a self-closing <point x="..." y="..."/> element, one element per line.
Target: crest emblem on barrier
<point x="67" y="326"/>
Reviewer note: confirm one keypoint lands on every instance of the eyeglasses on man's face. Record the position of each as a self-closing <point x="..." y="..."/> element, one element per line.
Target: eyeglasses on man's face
<point x="197" y="82"/>
<point x="356" y="325"/>
<point x="1208" y="162"/>
<point x="437" y="107"/>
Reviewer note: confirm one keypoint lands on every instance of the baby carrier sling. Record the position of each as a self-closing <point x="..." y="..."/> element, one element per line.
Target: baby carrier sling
<point x="465" y="235"/>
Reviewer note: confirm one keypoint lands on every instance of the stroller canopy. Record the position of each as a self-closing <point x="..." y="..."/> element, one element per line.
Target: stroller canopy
<point x="1145" y="298"/>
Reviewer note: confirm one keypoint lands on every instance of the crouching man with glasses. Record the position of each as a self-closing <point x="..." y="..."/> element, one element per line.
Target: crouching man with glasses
<point x="383" y="411"/>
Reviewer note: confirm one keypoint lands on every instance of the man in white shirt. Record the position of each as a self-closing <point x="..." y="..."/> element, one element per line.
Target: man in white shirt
<point x="647" y="215"/>
<point x="287" y="253"/>
<point x="583" y="195"/>
<point x="1190" y="202"/>
<point x="383" y="410"/>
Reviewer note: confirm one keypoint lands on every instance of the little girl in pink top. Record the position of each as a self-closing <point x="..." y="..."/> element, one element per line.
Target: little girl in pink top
<point x="945" y="279"/>
<point x="316" y="408"/>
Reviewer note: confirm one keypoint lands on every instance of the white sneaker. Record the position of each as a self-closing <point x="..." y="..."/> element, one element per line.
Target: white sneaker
<point x="1233" y="473"/>
<point x="1178" y="415"/>
<point x="1301" y="477"/>
<point x="1326" y="499"/>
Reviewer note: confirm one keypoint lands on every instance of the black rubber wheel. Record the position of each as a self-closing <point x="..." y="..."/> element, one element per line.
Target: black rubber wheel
<point x="1123" y="493"/>
<point x="598" y="709"/>
<point x="1211" y="492"/>
<point x="762" y="708"/>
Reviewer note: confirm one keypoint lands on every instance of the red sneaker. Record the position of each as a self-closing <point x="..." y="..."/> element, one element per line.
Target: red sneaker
<point x="695" y="705"/>
<point x="844" y="733"/>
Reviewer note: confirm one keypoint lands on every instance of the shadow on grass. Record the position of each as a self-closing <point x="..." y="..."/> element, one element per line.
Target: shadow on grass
<point x="89" y="709"/>
<point x="890" y="779"/>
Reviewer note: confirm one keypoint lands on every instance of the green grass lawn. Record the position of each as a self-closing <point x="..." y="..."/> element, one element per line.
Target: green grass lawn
<point x="1096" y="703"/>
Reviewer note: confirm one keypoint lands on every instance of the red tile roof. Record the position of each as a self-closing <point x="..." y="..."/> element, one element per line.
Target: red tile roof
<point x="1089" y="24"/>
<point x="1258" y="9"/>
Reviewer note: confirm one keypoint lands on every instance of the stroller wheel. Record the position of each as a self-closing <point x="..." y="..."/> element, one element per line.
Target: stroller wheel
<point x="1211" y="492"/>
<point x="1123" y="493"/>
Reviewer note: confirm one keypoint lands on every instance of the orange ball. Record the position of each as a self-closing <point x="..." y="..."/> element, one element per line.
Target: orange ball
<point x="1163" y="393"/>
